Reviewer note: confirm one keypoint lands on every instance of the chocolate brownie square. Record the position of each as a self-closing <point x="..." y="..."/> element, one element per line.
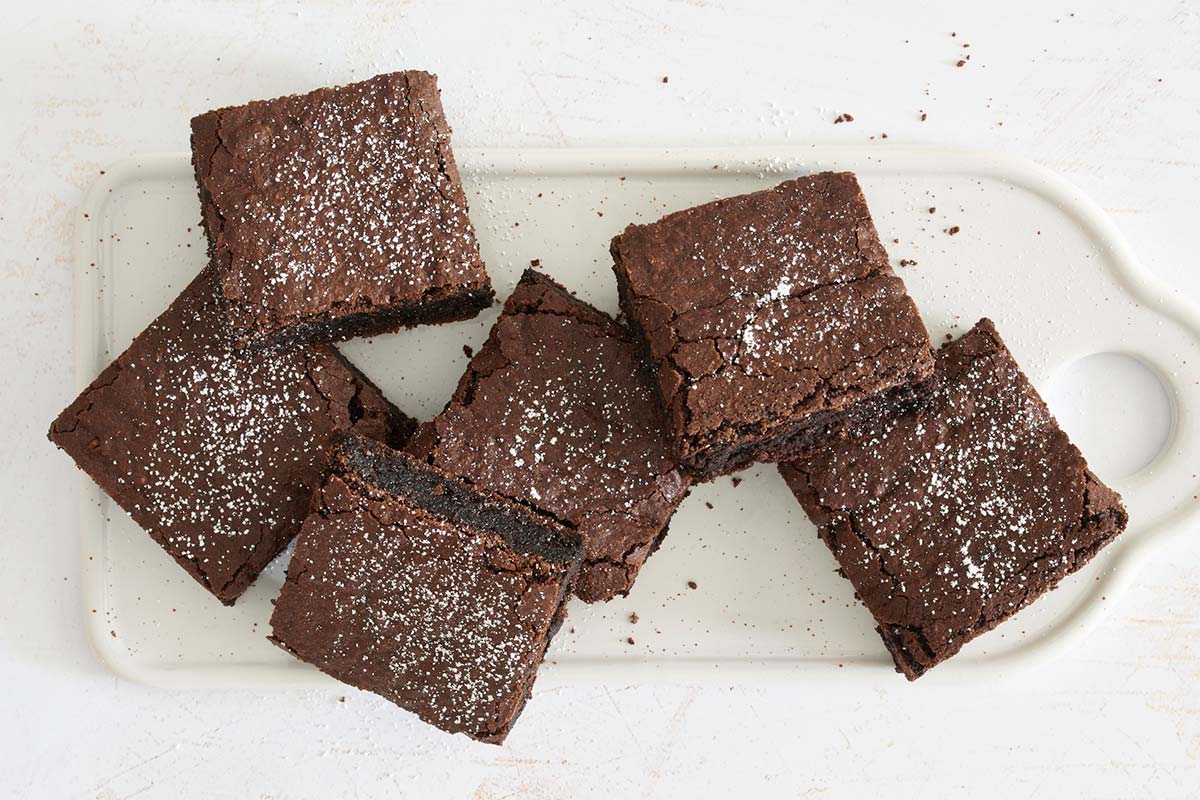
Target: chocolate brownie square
<point x="213" y="451"/>
<point x="338" y="213"/>
<point x="559" y="411"/>
<point x="767" y="317"/>
<point x="412" y="584"/>
<point x="952" y="517"/>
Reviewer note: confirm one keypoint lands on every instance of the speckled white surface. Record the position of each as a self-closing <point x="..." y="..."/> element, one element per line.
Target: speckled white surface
<point x="88" y="84"/>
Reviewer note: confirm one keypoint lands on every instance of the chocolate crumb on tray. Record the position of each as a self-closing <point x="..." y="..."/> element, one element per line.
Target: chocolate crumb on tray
<point x="949" y="518"/>
<point x="213" y="451"/>
<point x="412" y="584"/>
<point x="338" y="213"/>
<point x="767" y="317"/>
<point x="558" y="411"/>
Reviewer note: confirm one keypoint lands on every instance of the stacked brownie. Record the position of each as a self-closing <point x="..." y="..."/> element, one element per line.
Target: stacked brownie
<point x="434" y="567"/>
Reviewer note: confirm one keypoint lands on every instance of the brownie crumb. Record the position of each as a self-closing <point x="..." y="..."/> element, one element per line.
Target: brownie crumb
<point x="710" y="505"/>
<point x="629" y="639"/>
<point x="961" y="63"/>
<point x="633" y="618"/>
<point x="736" y="482"/>
<point x="665" y="79"/>
<point x="537" y="262"/>
<point x="883" y="136"/>
<point x="692" y="584"/>
<point x="953" y="230"/>
<point x="933" y="209"/>
<point x="843" y="118"/>
<point x="342" y="699"/>
<point x="468" y="351"/>
<point x="907" y="262"/>
<point x="924" y="116"/>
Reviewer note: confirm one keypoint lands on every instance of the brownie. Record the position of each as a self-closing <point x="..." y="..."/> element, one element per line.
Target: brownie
<point x="558" y="411"/>
<point x="767" y="317"/>
<point x="951" y="517"/>
<point x="213" y="451"/>
<point x="338" y="213"/>
<point x="412" y="584"/>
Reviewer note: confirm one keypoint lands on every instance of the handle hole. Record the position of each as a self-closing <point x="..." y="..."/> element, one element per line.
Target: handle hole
<point x="1116" y="410"/>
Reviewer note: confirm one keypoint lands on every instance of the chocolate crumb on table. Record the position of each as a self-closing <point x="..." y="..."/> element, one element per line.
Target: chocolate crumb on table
<point x="213" y="451"/>
<point x="949" y="518"/>
<point x="953" y="231"/>
<point x="412" y="584"/>
<point x="338" y="213"/>
<point x="558" y="411"/>
<point x="767" y="317"/>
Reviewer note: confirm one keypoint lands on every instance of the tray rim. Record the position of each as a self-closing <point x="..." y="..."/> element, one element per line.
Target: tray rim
<point x="1125" y="557"/>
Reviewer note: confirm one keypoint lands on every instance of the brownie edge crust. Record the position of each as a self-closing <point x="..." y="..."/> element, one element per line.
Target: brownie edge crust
<point x="412" y="584"/>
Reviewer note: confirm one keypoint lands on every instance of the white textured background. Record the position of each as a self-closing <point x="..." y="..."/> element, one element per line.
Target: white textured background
<point x="1108" y="95"/>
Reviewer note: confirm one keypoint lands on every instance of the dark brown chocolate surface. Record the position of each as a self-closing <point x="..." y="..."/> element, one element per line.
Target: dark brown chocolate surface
<point x="213" y="451"/>
<point x="338" y="213"/>
<point x="949" y="519"/>
<point x="765" y="315"/>
<point x="558" y="411"/>
<point x="410" y="583"/>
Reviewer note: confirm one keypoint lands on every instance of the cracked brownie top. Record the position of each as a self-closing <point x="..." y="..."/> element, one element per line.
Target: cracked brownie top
<point x="762" y="310"/>
<point x="558" y="410"/>
<point x="412" y="584"/>
<point x="950" y="518"/>
<point x="325" y="208"/>
<point x="216" y="452"/>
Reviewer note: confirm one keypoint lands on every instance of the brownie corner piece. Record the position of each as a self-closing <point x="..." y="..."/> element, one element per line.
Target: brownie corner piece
<point x="558" y="411"/>
<point x="213" y="451"/>
<point x="412" y="584"/>
<point x="766" y="316"/>
<point x="950" y="518"/>
<point x="338" y="213"/>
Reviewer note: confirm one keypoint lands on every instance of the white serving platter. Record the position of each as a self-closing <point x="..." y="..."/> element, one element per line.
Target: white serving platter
<point x="1031" y="252"/>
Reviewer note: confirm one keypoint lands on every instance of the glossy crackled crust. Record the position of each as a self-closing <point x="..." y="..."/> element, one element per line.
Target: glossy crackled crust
<point x="936" y="575"/>
<point x="712" y="288"/>
<point x="423" y="294"/>
<point x="137" y="432"/>
<point x="373" y="494"/>
<point x="619" y="491"/>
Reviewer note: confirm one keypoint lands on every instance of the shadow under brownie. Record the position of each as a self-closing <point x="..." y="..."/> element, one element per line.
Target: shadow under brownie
<point x="950" y="518"/>
<point x="766" y="316"/>
<point x="338" y="213"/>
<point x="213" y="451"/>
<point x="409" y="583"/>
<point x="558" y="410"/>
